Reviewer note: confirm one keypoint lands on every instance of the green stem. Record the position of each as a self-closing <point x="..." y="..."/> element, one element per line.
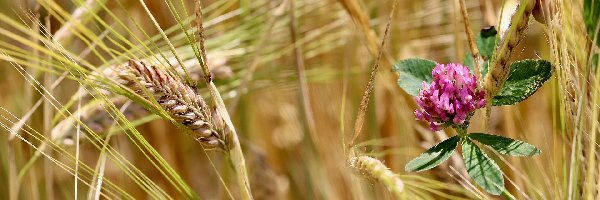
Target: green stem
<point x="461" y="130"/>
<point x="507" y="195"/>
<point x="236" y="157"/>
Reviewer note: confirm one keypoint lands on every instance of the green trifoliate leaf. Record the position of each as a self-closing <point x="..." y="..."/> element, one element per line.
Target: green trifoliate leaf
<point x="413" y="72"/>
<point x="506" y="146"/>
<point x="525" y="78"/>
<point x="486" y="43"/>
<point x="469" y="63"/>
<point x="433" y="156"/>
<point x="483" y="170"/>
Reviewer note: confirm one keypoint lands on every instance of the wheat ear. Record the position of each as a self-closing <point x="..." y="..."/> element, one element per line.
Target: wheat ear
<point x="181" y="101"/>
<point x="376" y="170"/>
<point x="236" y="156"/>
<point x="499" y="69"/>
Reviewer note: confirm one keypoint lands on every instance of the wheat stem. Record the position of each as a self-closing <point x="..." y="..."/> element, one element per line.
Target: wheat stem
<point x="362" y="110"/>
<point x="236" y="155"/>
<point x="62" y="36"/>
<point x="499" y="68"/>
<point x="300" y="68"/>
<point x="471" y="39"/>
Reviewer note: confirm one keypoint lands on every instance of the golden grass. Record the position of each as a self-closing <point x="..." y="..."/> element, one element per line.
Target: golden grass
<point x="297" y="73"/>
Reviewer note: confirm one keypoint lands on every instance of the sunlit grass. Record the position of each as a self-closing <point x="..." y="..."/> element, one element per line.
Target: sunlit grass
<point x="57" y="74"/>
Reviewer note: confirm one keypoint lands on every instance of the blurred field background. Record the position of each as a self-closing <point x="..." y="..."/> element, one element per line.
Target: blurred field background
<point x="294" y="150"/>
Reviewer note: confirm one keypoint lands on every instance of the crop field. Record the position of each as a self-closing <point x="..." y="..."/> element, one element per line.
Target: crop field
<point x="299" y="99"/>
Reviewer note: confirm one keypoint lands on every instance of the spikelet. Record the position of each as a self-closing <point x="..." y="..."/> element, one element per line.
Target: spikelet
<point x="376" y="170"/>
<point x="99" y="120"/>
<point x="500" y="69"/>
<point x="179" y="100"/>
<point x="96" y="118"/>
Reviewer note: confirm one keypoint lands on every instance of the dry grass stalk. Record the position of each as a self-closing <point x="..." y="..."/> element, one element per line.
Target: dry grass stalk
<point x="364" y="103"/>
<point x="304" y="93"/>
<point x="180" y="100"/>
<point x="360" y="17"/>
<point x="376" y="170"/>
<point x="471" y="39"/>
<point x="365" y="165"/>
<point x="499" y="69"/>
<point x="236" y="156"/>
<point x="200" y="27"/>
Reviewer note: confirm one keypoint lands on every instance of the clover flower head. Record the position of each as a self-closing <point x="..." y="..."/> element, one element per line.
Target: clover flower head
<point x="451" y="98"/>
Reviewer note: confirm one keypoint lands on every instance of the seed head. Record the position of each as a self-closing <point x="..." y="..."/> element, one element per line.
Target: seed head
<point x="181" y="101"/>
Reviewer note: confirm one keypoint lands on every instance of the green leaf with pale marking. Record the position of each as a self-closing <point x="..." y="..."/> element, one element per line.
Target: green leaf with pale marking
<point x="486" y="43"/>
<point x="483" y="170"/>
<point x="469" y="63"/>
<point x="525" y="78"/>
<point x="506" y="146"/>
<point x="413" y="72"/>
<point x="434" y="156"/>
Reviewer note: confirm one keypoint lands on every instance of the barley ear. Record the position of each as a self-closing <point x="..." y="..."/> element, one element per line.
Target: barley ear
<point x="499" y="69"/>
<point x="181" y="102"/>
<point x="374" y="169"/>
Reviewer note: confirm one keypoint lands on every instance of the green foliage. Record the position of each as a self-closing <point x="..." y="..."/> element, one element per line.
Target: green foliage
<point x="483" y="170"/>
<point x="413" y="72"/>
<point x="591" y="13"/>
<point x="434" y="156"/>
<point x="486" y="43"/>
<point x="525" y="78"/>
<point x="506" y="146"/>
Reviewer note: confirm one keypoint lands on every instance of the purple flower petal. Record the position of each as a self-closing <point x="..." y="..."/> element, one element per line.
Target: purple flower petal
<point x="451" y="97"/>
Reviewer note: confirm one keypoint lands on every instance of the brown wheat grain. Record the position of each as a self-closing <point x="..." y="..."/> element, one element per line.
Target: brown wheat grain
<point x="182" y="102"/>
<point x="499" y="70"/>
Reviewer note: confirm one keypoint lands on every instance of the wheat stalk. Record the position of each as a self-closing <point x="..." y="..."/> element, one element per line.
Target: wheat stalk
<point x="236" y="156"/>
<point x="182" y="102"/>
<point x="364" y="103"/>
<point x="471" y="40"/>
<point x="94" y="114"/>
<point x="499" y="69"/>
